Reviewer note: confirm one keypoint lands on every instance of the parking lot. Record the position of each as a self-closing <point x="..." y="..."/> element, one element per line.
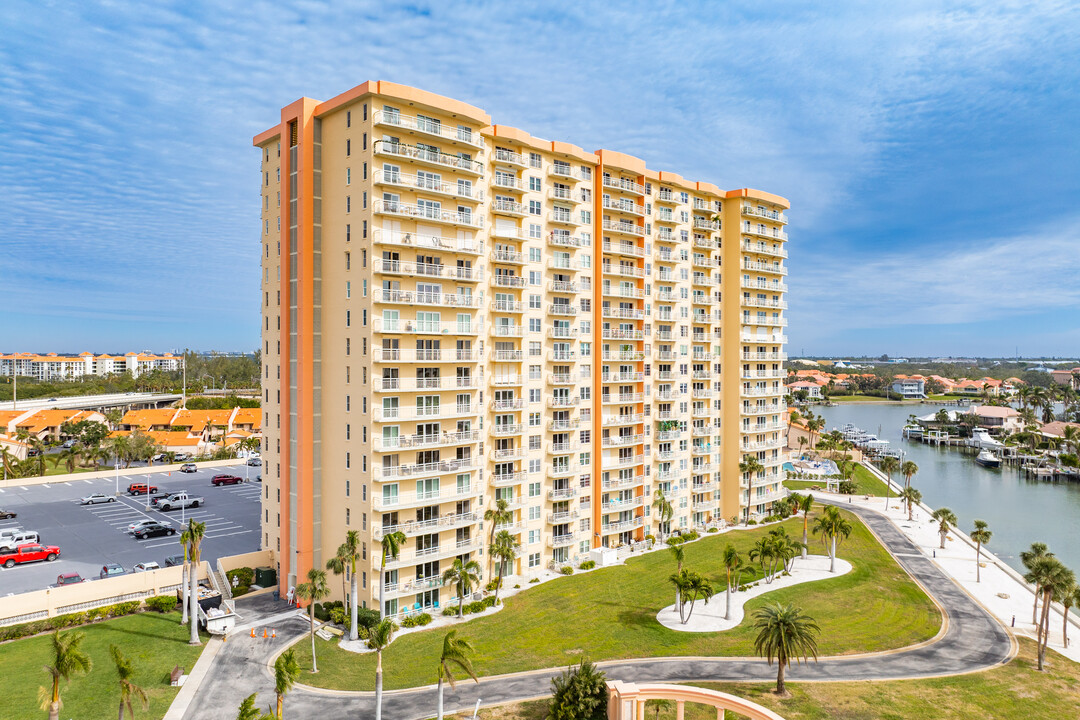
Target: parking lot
<point x="92" y="535"/>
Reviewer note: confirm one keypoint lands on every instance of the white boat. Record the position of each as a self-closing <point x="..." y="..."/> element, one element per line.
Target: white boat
<point x="982" y="439"/>
<point x="988" y="459"/>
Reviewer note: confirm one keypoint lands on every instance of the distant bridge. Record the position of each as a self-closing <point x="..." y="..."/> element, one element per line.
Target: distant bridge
<point x="95" y="402"/>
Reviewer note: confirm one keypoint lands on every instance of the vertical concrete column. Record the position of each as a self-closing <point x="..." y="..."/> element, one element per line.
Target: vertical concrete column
<point x="640" y="714"/>
<point x="719" y="713"/>
<point x="680" y="708"/>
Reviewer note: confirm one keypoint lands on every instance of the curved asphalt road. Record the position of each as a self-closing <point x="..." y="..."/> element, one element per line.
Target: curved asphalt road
<point x="973" y="641"/>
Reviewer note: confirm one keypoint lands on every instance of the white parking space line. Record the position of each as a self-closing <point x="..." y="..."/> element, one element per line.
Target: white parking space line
<point x="22" y="487"/>
<point x="241" y="532"/>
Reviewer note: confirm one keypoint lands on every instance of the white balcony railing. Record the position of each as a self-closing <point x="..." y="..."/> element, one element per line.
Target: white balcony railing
<point x="452" y="133"/>
<point x="427" y="156"/>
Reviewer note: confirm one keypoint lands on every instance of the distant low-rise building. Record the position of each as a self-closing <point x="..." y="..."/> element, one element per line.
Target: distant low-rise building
<point x="909" y="387"/>
<point x="998" y="418"/>
<point x="52" y="366"/>
<point x="813" y="390"/>
<point x="1070" y="376"/>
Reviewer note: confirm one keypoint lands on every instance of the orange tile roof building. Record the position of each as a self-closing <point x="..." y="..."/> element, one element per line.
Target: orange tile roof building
<point x="457" y="312"/>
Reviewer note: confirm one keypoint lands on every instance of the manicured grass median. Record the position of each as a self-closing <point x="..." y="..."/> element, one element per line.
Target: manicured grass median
<point x="866" y="482"/>
<point x="611" y="613"/>
<point x="1004" y="693"/>
<point x="155" y="643"/>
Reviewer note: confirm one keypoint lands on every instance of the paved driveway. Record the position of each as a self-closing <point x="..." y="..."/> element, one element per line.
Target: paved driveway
<point x="974" y="640"/>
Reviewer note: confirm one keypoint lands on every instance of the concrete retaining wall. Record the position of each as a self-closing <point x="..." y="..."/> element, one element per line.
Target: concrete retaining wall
<point x="71" y="477"/>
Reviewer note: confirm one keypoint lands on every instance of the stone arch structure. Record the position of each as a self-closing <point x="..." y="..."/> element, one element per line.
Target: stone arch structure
<point x="626" y="701"/>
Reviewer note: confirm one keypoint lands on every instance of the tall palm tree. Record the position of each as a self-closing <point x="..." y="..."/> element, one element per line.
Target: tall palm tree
<point x="1068" y="596"/>
<point x="732" y="563"/>
<point x="378" y="638"/>
<point x="681" y="581"/>
<point x="248" y="711"/>
<point x="833" y="527"/>
<point x="339" y="565"/>
<point x="945" y="518"/>
<point x="804" y="504"/>
<point x="68" y="658"/>
<point x="391" y="546"/>
<point x="697" y="587"/>
<point x="311" y="592"/>
<point x="786" y="634"/>
<point x="286" y="673"/>
<point x="680" y="556"/>
<point x="505" y="550"/>
<point x="497" y="515"/>
<point x="192" y="536"/>
<point x="981" y="535"/>
<point x="455" y="654"/>
<point x="814" y="426"/>
<point x="889" y="465"/>
<point x="465" y="575"/>
<point x="1029" y="558"/>
<point x="353" y="547"/>
<point x="749" y="467"/>
<point x="908" y="470"/>
<point x="129" y="691"/>
<point x="762" y="552"/>
<point x="69" y="456"/>
<point x="1051" y="575"/>
<point x="185" y="605"/>
<point x="912" y="497"/>
<point x="664" y="511"/>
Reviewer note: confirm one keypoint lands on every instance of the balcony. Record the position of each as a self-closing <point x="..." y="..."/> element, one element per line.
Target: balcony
<point x="620" y="483"/>
<point x="426" y="242"/>
<point x="750" y="374"/>
<point x="664" y="335"/>
<point x="394" y="472"/>
<point x="564" y="264"/>
<point x="562" y="286"/>
<point x="706" y="243"/>
<point x="634" y="293"/>
<point x="775" y="268"/>
<point x="397" y="414"/>
<point x="449" y="355"/>
<point x="774" y="356"/>
<point x="764" y="249"/>
<point x="501" y="156"/>
<point x="423" y="269"/>
<point x="562" y="494"/>
<point x="410" y="297"/>
<point x="560" y="471"/>
<point x="666" y="355"/>
<point x="507" y="355"/>
<point x="619" y="420"/>
<point x="701" y="393"/>
<point x="507" y="479"/>
<point x="622" y="526"/>
<point x="557" y="518"/>
<point x="625" y="228"/>
<point x="507" y="306"/>
<point x="565" y="217"/>
<point x="623" y="185"/>
<point x="665" y="235"/>
<point x="508" y="281"/>
<point x="562" y="448"/>
<point x="507" y="233"/>
<point x="765" y="320"/>
<point x="759" y="212"/>
<point x="621" y="334"/>
<point x="565" y="309"/>
<point x="622" y="440"/>
<point x="622" y="377"/>
<point x="763" y="409"/>
<point x="509" y="207"/>
<point x="667" y="395"/>
<point x="704" y="505"/>
<point x="565" y="195"/>
<point x="557" y="425"/>
<point x="421" y="384"/>
<point x="619" y="398"/>
<point x="439" y="524"/>
<point x="623" y="313"/>
<point x="428" y="157"/>
<point x="503" y="330"/>
<point x="559" y="401"/>
<point x="561" y="379"/>
<point x="667" y="196"/>
<point x="701" y="223"/>
<point x="702" y="279"/>
<point x="562" y="356"/>
<point x="758" y="445"/>
<point x="624" y="206"/>
<point x="624" y="270"/>
<point x="751" y="284"/>
<point x="765" y="232"/>
<point x="700" y="412"/>
<point x="511" y="257"/>
<point x="669" y="434"/>
<point x="558" y="541"/>
<point x="623" y="356"/>
<point x="450" y="493"/>
<point x="395" y="326"/>
<point x="561" y="240"/>
<point x="751" y="337"/>
<point x="507" y="429"/>
<point x="506" y="380"/>
<point x="427" y="185"/>
<point x="705" y="432"/>
<point x="565" y="172"/>
<point x="764" y="303"/>
<point x="512" y="183"/>
<point x="507" y="405"/>
<point x="504" y="454"/>
<point x="619" y="505"/>
<point x="429" y="128"/>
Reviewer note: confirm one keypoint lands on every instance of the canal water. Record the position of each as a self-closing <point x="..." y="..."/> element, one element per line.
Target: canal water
<point x="1019" y="510"/>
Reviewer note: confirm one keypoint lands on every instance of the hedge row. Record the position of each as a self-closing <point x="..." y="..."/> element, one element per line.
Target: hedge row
<point x="161" y="603"/>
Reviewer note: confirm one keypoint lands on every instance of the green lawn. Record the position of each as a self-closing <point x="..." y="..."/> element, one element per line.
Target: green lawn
<point x="611" y="613"/>
<point x="866" y="481"/>
<point x="1004" y="693"/>
<point x="154" y="642"/>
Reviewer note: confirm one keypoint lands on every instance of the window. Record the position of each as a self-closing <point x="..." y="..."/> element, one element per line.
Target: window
<point x="534" y="255"/>
<point x="534" y="302"/>
<point x="535" y="395"/>
<point x="534" y="324"/>
<point x="534" y="560"/>
<point x="534" y="160"/>
<point x="348" y="118"/>
<point x="534" y="419"/>
<point x="534" y="489"/>
<point x="534" y="230"/>
<point x="534" y="184"/>
<point x="534" y="207"/>
<point x="534" y="277"/>
<point x="534" y="512"/>
<point x="348" y="148"/>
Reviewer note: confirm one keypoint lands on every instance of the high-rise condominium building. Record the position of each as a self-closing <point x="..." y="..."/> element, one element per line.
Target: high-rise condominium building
<point x="456" y="313"/>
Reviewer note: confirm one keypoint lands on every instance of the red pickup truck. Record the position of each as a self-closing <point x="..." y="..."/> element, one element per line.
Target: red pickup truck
<point x="29" y="553"/>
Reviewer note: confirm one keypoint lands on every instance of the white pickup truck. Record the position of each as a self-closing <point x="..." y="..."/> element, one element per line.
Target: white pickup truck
<point x="179" y="500"/>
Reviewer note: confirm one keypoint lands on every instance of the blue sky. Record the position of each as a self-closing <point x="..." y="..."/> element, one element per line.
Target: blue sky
<point x="929" y="150"/>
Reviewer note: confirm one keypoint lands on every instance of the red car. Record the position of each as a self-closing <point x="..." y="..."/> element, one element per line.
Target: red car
<point x="141" y="489"/>
<point x="226" y="480"/>
<point x="29" y="553"/>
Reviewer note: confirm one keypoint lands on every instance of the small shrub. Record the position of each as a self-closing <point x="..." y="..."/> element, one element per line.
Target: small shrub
<point x="489" y="601"/>
<point x="847" y="487"/>
<point x="339" y="616"/>
<point x="322" y="613"/>
<point x="367" y="618"/>
<point x="475" y="607"/>
<point x="496" y="583"/>
<point x="588" y="565"/>
<point x="362" y="632"/>
<point x="712" y="529"/>
<point x="449" y="611"/>
<point x="534" y="580"/>
<point x="423" y="619"/>
<point x="409" y="621"/>
<point x="692" y="535"/>
<point x="244" y="575"/>
<point x="566" y="570"/>
<point x="161" y="603"/>
<point x="517" y="587"/>
<point x="751" y="521"/>
<point x="675" y="540"/>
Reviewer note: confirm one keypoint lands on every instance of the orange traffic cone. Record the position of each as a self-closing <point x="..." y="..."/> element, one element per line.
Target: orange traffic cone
<point x="252" y="632"/>
<point x="273" y="634"/>
<point x="265" y="635"/>
<point x="224" y="637"/>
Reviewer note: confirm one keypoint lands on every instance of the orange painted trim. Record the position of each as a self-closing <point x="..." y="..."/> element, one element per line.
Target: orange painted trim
<point x="266" y="136"/>
<point x="284" y="287"/>
<point x="759" y="195"/>
<point x="622" y="161"/>
<point x="408" y="95"/>
<point x="597" y="344"/>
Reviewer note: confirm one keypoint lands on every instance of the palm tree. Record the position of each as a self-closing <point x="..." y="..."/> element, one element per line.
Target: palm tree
<point x="338" y="566"/>
<point x="664" y="510"/>
<point x="184" y="606"/>
<point x="681" y="581"/>
<point x="352" y="548"/>
<point x="578" y="693"/>
<point x="908" y="470"/>
<point x="68" y="658"/>
<point x="912" y="497"/>
<point x="129" y="691"/>
<point x="1029" y="558"/>
<point x="192" y="537"/>
<point x="1067" y="596"/>
<point x="697" y="587"/>
<point x="69" y="456"/>
<point x="248" y="711"/>
<point x="391" y="546"/>
<point x="945" y="518"/>
<point x="1051" y="576"/>
<point x="785" y="633"/>
<point x="889" y="465"/>
<point x="465" y="575"/>
<point x="804" y="504"/>
<point x="762" y="552"/>
<point x="749" y="467"/>
<point x="311" y="592"/>
<point x="497" y="515"/>
<point x="378" y="638"/>
<point x="505" y="550"/>
<point x="784" y="548"/>
<point x="981" y="535"/>
<point x="455" y="653"/>
<point x="832" y="526"/>
<point x="680" y="555"/>
<point x="286" y="673"/>
<point x="732" y="563"/>
<point x="814" y="426"/>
